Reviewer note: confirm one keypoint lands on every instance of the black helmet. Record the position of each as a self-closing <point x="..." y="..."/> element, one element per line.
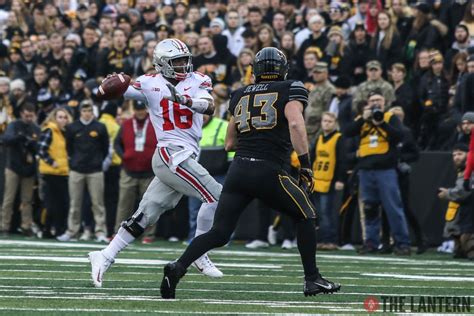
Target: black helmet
<point x="270" y="65"/>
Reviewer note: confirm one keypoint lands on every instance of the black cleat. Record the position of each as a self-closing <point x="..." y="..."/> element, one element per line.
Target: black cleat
<point x="320" y="285"/>
<point x="173" y="271"/>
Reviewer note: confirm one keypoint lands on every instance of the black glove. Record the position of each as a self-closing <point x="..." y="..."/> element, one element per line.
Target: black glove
<point x="306" y="174"/>
<point x="306" y="180"/>
<point x="466" y="185"/>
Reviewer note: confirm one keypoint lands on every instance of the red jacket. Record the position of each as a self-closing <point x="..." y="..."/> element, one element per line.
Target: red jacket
<point x="470" y="158"/>
<point x="135" y="161"/>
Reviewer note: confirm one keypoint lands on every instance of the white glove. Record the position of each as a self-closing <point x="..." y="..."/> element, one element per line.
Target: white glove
<point x="176" y="96"/>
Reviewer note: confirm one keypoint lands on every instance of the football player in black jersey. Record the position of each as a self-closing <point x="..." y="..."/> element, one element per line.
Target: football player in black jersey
<point x="267" y="120"/>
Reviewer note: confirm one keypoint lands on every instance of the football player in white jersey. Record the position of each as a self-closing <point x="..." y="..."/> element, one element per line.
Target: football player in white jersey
<point x="176" y="98"/>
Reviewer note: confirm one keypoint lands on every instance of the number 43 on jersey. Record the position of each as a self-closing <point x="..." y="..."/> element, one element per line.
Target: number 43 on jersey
<point x="264" y="118"/>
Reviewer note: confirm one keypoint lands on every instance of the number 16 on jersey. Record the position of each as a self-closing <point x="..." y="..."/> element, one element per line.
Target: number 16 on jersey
<point x="181" y="118"/>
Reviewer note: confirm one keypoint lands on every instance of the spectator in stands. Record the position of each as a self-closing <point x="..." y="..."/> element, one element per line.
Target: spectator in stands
<point x="18" y="96"/>
<point x="54" y="169"/>
<point x="317" y="38"/>
<point x="465" y="91"/>
<point x="334" y="52"/>
<point x="386" y="45"/>
<point x="374" y="81"/>
<point x="355" y="55"/>
<point x="254" y="18"/>
<point x="460" y="201"/>
<point x="87" y="144"/>
<point x="426" y="33"/>
<point x="380" y="132"/>
<point x="210" y="63"/>
<point x="250" y="40"/>
<point x="461" y="45"/>
<point x="40" y="81"/>
<point x="145" y="63"/>
<point x="235" y="41"/>
<point x="266" y="37"/>
<point x="403" y="94"/>
<point x="287" y="46"/>
<point x="6" y="116"/>
<point x="21" y="138"/>
<point x="115" y="59"/>
<point x="304" y="31"/>
<point x="279" y="24"/>
<point x="318" y="100"/>
<point x="242" y="73"/>
<point x="433" y="96"/>
<point x="212" y="12"/>
<point x="329" y="171"/>
<point x="341" y="102"/>
<point x="467" y="124"/>
<point x="361" y="12"/>
<point x="137" y="49"/>
<point x="458" y="69"/>
<point x="150" y="17"/>
<point x="111" y="165"/>
<point x="135" y="144"/>
<point x="220" y="41"/>
<point x="310" y="59"/>
<point x="77" y="93"/>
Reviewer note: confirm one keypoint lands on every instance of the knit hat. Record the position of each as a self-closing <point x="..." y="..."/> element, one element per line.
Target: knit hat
<point x="335" y="30"/>
<point x="343" y="82"/>
<point x="461" y="147"/>
<point x="217" y="22"/>
<point x="17" y="84"/>
<point x="468" y="116"/>
<point x="4" y="80"/>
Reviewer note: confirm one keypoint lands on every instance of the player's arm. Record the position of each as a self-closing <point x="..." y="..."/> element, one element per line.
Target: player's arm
<point x="135" y="92"/>
<point x="231" y="136"/>
<point x="203" y="104"/>
<point x="298" y="99"/>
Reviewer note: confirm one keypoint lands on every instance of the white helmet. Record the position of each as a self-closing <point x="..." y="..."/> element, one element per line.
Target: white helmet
<point x="165" y="52"/>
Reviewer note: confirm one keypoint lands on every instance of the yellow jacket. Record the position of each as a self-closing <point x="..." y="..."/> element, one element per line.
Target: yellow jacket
<point x="57" y="151"/>
<point x="112" y="129"/>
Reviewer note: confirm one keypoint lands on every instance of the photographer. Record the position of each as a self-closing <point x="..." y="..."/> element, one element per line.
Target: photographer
<point x="20" y="138"/>
<point x="380" y="132"/>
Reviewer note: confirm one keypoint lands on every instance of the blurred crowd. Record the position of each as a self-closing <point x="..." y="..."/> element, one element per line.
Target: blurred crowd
<point x="64" y="151"/>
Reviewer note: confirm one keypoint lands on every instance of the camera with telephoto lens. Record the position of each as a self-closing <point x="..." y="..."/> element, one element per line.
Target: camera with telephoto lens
<point x="377" y="114"/>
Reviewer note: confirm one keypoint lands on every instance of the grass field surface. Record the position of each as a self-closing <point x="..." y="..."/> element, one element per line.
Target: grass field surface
<point x="52" y="278"/>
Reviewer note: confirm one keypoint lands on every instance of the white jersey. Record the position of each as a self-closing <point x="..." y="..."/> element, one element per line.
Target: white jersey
<point x="174" y="124"/>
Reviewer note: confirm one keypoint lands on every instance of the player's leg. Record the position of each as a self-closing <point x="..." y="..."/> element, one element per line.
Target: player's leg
<point x="158" y="198"/>
<point x="285" y="194"/>
<point x="231" y="204"/>
<point x="191" y="179"/>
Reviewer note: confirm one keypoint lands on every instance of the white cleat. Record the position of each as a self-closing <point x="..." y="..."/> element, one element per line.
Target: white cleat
<point x="206" y="267"/>
<point x="99" y="264"/>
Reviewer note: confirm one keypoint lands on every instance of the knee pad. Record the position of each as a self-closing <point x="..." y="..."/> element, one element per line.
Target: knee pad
<point x="133" y="227"/>
<point x="371" y="211"/>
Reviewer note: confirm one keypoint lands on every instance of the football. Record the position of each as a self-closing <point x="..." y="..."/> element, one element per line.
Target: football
<point x="113" y="87"/>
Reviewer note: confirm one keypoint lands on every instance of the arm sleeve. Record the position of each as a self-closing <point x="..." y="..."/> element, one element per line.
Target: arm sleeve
<point x="298" y="92"/>
<point x="353" y="129"/>
<point x="394" y="130"/>
<point x="10" y="137"/>
<point x="43" y="146"/>
<point x="118" y="145"/>
<point x="136" y="91"/>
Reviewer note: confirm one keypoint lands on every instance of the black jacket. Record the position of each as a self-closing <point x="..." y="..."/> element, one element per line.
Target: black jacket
<point x="355" y="56"/>
<point x="404" y="97"/>
<point x="321" y="42"/>
<point x="433" y="93"/>
<point x="87" y="146"/>
<point x="389" y="160"/>
<point x="21" y="140"/>
<point x="387" y="57"/>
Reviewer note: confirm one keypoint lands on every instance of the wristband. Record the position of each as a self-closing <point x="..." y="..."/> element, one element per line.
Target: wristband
<point x="304" y="161"/>
<point x="199" y="105"/>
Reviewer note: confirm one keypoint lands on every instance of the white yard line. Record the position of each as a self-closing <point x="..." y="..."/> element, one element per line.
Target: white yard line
<point x="421" y="277"/>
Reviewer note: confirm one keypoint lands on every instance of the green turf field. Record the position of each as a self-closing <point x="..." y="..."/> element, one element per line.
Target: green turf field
<point x="51" y="278"/>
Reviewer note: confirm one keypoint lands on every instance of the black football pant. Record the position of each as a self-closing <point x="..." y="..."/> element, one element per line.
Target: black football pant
<point x="246" y="180"/>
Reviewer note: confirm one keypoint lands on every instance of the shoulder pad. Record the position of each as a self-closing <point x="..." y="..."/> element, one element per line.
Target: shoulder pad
<point x="204" y="81"/>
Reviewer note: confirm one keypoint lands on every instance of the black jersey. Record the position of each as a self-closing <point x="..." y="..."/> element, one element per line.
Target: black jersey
<point x="259" y="113"/>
